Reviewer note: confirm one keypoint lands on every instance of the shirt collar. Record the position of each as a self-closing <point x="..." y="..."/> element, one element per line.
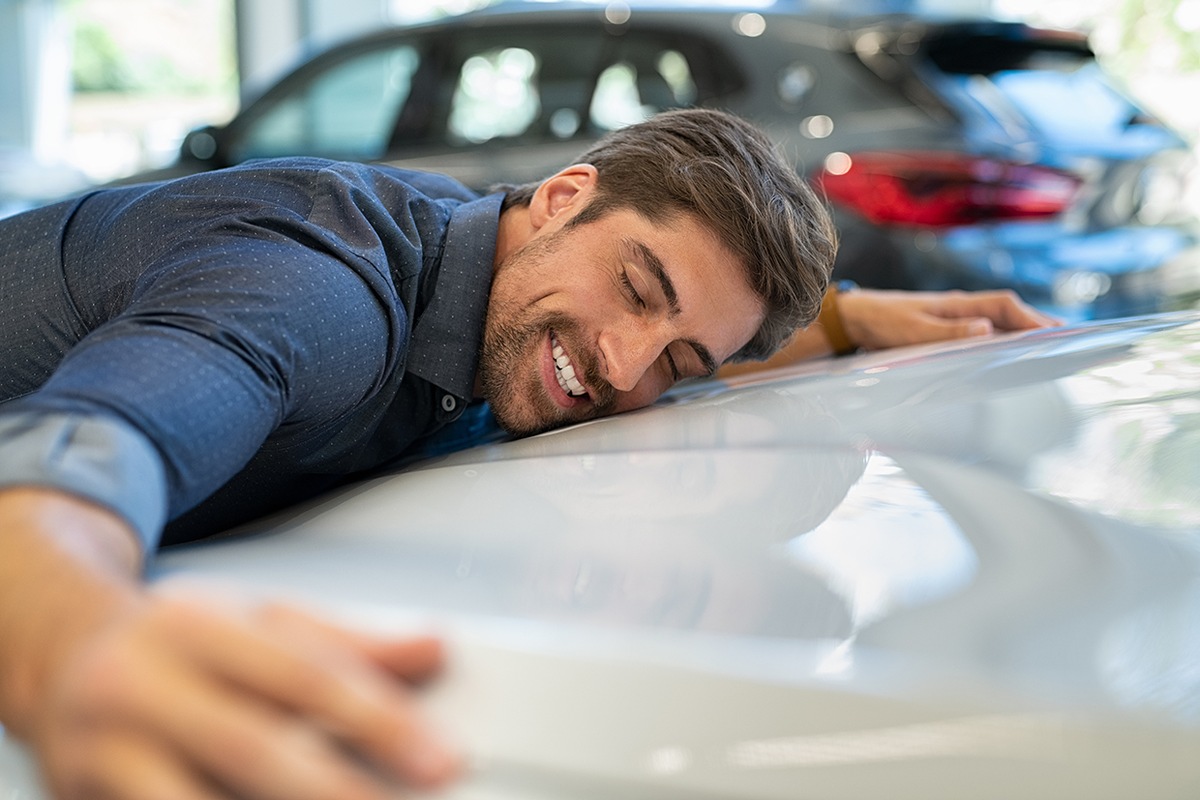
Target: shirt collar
<point x="446" y="338"/>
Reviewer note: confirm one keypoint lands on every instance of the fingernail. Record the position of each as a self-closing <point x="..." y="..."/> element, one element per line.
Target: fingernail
<point x="979" y="327"/>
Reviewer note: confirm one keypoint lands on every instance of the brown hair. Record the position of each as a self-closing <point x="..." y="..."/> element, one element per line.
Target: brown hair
<point x="726" y="173"/>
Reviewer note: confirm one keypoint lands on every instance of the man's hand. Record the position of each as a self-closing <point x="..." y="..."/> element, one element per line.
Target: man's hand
<point x="876" y="319"/>
<point x="128" y="694"/>
<point x="177" y="697"/>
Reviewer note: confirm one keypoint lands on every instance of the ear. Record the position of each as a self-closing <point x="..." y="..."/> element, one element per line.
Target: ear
<point x="564" y="193"/>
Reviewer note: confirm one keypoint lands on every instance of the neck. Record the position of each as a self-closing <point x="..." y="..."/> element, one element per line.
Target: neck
<point x="513" y="232"/>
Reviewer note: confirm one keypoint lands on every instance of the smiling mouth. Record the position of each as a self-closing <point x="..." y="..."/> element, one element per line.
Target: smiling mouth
<point x="564" y="370"/>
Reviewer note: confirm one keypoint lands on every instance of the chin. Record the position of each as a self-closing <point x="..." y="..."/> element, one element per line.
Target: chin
<point x="513" y="409"/>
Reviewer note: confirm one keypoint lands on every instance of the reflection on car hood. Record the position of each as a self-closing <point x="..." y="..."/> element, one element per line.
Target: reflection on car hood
<point x="964" y="570"/>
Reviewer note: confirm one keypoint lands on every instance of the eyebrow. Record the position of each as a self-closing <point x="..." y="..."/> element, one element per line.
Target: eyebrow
<point x="656" y="268"/>
<point x="655" y="265"/>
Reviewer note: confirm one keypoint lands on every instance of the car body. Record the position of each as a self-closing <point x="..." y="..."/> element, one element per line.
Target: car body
<point x="956" y="153"/>
<point x="963" y="570"/>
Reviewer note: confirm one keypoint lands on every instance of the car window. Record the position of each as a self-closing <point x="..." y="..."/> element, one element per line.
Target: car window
<point x="646" y="80"/>
<point x="1098" y="111"/>
<point x="346" y="111"/>
<point x="496" y="95"/>
<point x="1036" y="81"/>
<point x="556" y="84"/>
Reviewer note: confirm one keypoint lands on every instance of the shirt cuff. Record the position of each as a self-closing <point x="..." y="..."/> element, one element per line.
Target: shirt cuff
<point x="100" y="459"/>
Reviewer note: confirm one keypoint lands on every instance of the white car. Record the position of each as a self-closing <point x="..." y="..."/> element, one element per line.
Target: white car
<point x="962" y="571"/>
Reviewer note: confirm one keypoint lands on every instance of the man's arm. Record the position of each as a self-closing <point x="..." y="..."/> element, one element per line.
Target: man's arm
<point x="126" y="692"/>
<point x="871" y="319"/>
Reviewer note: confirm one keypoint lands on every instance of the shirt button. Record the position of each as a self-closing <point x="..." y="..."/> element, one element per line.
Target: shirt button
<point x="449" y="403"/>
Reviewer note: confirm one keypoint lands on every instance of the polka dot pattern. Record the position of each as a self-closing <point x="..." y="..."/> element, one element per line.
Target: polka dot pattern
<point x="267" y="329"/>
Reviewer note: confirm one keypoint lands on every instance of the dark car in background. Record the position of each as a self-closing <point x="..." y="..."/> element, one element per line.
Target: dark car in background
<point x="955" y="153"/>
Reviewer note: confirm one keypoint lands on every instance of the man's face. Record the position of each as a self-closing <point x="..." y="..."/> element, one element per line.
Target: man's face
<point x="603" y="317"/>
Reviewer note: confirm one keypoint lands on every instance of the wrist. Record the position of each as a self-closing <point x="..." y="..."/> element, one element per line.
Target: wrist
<point x="67" y="569"/>
<point x="831" y="320"/>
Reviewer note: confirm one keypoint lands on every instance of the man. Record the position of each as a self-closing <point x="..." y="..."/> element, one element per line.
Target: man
<point x="178" y="358"/>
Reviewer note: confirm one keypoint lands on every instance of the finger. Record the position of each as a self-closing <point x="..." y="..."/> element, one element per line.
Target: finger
<point x="262" y="754"/>
<point x="130" y="766"/>
<point x="934" y="329"/>
<point x="1029" y="318"/>
<point x="1009" y="313"/>
<point x="1003" y="307"/>
<point x="334" y="686"/>
<point x="416" y="659"/>
<point x="250" y="747"/>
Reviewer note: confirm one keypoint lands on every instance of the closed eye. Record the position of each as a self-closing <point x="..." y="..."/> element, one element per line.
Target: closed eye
<point x="690" y="359"/>
<point x="675" y="374"/>
<point x="631" y="290"/>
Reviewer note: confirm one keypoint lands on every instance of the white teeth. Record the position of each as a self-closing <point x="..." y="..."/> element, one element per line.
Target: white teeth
<point x="564" y="371"/>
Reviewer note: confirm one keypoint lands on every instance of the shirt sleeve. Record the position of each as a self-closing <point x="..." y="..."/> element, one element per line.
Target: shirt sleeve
<point x="228" y="330"/>
<point x="94" y="458"/>
<point x="224" y="347"/>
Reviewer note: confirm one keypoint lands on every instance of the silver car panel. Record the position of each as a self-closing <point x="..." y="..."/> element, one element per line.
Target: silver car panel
<point x="969" y="570"/>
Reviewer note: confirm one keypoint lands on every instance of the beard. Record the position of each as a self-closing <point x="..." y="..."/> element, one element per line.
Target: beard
<point x="511" y="357"/>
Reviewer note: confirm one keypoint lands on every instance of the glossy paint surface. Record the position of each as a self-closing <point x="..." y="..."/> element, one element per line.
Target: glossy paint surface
<point x="962" y="571"/>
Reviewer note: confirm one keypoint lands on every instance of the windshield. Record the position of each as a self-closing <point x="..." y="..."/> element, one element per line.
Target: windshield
<point x="1029" y="83"/>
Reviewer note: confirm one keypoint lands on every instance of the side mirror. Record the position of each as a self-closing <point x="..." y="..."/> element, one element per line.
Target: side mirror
<point x="200" y="145"/>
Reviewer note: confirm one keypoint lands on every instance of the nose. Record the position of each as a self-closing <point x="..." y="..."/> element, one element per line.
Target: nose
<point x="627" y="352"/>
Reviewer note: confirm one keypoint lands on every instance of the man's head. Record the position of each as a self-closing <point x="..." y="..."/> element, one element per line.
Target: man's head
<point x="674" y="245"/>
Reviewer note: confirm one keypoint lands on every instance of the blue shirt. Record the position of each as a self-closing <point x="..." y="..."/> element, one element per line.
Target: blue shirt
<point x="199" y="352"/>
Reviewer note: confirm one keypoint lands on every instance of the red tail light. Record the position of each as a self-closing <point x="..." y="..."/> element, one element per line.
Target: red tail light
<point x="939" y="189"/>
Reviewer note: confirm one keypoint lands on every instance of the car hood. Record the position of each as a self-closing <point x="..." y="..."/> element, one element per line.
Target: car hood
<point x="963" y="570"/>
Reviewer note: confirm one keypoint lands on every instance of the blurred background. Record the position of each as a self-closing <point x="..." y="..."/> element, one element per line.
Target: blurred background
<point x="110" y="87"/>
<point x="1074" y="190"/>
